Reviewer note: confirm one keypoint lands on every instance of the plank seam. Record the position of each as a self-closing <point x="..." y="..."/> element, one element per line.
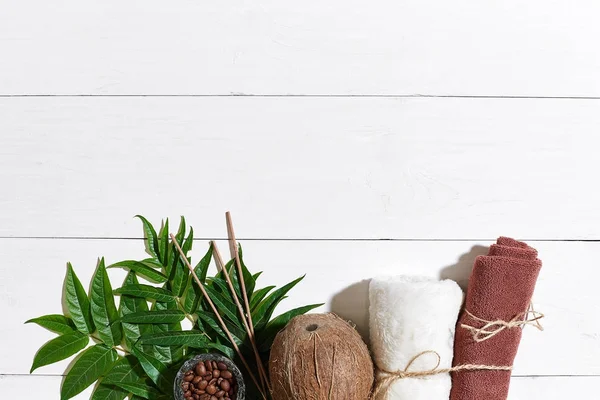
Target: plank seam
<point x="393" y="96"/>
<point x="513" y="376"/>
<point x="266" y="239"/>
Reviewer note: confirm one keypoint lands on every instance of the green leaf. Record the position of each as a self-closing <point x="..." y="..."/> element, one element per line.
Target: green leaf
<point x="127" y="369"/>
<point x="256" y="275"/>
<point x="156" y="370"/>
<point x="104" y="312"/>
<point x="231" y="270"/>
<point x="267" y="335"/>
<point x="183" y="338"/>
<point x="142" y="269"/>
<point x="259" y="295"/>
<point x="224" y="305"/>
<point x="154" y="317"/>
<point x="60" y="348"/>
<point x="265" y="309"/>
<point x="181" y="231"/>
<point x="146" y="291"/>
<point x="78" y="303"/>
<point x="222" y="287"/>
<point x="238" y="335"/>
<point x="152" y="262"/>
<point x="167" y="354"/>
<point x="249" y="280"/>
<point x="201" y="268"/>
<point x="91" y="365"/>
<point x="107" y="392"/>
<point x="130" y="305"/>
<point x="139" y="389"/>
<point x="193" y="293"/>
<point x="227" y="351"/>
<point x="151" y="237"/>
<point x="179" y="270"/>
<point x="163" y="243"/>
<point x="56" y="323"/>
<point x="191" y="297"/>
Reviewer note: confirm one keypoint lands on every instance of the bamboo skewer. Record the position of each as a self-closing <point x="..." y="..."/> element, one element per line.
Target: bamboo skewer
<point x="219" y="261"/>
<point x="233" y="248"/>
<point x="223" y="325"/>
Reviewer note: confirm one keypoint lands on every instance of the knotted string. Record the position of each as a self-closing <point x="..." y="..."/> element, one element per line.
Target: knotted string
<point x="487" y="331"/>
<point x="492" y="328"/>
<point x="387" y="378"/>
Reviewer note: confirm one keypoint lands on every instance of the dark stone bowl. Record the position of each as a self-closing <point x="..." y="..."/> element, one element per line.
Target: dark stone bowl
<point x="192" y="362"/>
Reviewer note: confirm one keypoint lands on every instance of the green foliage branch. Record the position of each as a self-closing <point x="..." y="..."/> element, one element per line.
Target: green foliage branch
<point x="134" y="350"/>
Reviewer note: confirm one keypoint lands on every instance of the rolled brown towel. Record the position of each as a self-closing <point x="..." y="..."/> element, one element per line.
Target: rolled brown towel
<point x="500" y="288"/>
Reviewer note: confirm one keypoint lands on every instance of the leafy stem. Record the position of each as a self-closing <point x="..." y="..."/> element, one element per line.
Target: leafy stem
<point x="190" y="317"/>
<point x="119" y="348"/>
<point x="151" y="313"/>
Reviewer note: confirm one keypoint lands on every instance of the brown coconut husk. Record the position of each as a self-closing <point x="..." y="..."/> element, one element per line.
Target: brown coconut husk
<point x="320" y="357"/>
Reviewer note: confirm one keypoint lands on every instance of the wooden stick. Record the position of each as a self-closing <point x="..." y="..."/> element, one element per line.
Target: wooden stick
<point x="217" y="256"/>
<point x="261" y="370"/>
<point x="223" y="326"/>
<point x="233" y="248"/>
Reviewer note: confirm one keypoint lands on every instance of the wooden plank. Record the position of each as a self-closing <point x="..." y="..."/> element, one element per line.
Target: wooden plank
<point x="301" y="167"/>
<point x="382" y="47"/>
<point x="32" y="272"/>
<point x="522" y="388"/>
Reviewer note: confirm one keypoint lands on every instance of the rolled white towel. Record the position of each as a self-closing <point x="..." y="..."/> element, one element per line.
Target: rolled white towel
<point x="408" y="316"/>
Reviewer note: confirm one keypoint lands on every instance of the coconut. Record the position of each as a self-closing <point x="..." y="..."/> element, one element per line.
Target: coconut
<point x="320" y="356"/>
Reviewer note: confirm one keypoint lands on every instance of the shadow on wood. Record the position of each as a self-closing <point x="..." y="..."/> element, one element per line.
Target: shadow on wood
<point x="461" y="270"/>
<point x="352" y="304"/>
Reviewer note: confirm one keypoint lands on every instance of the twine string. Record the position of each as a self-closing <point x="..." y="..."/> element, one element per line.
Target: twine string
<point x="489" y="329"/>
<point x="386" y="378"/>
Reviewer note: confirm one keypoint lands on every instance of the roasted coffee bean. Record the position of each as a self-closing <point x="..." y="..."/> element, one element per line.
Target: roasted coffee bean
<point x="209" y="380"/>
<point x="225" y="385"/>
<point x="211" y="389"/>
<point x="226" y="374"/>
<point x="200" y="369"/>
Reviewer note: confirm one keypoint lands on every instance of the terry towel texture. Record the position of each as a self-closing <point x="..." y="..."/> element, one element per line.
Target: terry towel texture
<point x="500" y="288"/>
<point x="410" y="315"/>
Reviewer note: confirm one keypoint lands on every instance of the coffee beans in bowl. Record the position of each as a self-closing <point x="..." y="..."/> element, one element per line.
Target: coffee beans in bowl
<point x="209" y="377"/>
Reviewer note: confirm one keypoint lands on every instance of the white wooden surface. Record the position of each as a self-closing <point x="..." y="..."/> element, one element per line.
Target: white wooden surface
<point x="522" y="388"/>
<point x="302" y="167"/>
<point x="340" y="47"/>
<point x="109" y="109"/>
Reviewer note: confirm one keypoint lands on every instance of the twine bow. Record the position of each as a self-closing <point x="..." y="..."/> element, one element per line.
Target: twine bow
<point x="387" y="378"/>
<point x="492" y="328"/>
